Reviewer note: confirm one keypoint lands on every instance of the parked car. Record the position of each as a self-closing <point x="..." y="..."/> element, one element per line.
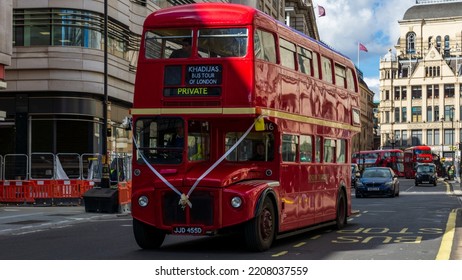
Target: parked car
<point x="354" y="174"/>
<point x="377" y="181"/>
<point x="426" y="174"/>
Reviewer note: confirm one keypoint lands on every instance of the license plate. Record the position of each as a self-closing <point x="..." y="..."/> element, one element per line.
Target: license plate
<point x="425" y="182"/>
<point x="188" y="230"/>
<point x="373" y="189"/>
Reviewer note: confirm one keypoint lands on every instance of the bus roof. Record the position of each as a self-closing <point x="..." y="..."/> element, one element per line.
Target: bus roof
<point x="203" y="14"/>
<point x="421" y="147"/>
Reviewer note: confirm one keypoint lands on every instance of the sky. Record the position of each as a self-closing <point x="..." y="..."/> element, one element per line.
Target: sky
<point x="373" y="23"/>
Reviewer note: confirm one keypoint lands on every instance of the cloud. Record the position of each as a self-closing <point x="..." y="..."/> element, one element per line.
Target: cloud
<point x="374" y="23"/>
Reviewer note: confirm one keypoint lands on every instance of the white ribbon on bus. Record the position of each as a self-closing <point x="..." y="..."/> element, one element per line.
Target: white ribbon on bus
<point x="184" y="198"/>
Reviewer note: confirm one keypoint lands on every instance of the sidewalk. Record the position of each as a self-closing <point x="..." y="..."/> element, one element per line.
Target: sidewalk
<point x="456" y="253"/>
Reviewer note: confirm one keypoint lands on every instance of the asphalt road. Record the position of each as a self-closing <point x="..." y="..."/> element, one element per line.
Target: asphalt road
<point x="413" y="226"/>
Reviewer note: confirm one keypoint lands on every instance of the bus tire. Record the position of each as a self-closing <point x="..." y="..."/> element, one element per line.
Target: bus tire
<point x="146" y="236"/>
<point x="341" y="219"/>
<point x="260" y="231"/>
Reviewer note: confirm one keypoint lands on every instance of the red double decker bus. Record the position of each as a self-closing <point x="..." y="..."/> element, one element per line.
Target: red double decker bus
<point x="415" y="155"/>
<point x="247" y="128"/>
<point x="393" y="158"/>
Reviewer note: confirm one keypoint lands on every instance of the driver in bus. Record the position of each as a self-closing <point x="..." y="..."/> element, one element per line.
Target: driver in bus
<point x="185" y="51"/>
<point x="259" y="153"/>
<point x="178" y="138"/>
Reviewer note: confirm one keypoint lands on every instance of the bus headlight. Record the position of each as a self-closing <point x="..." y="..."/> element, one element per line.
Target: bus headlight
<point x="236" y="202"/>
<point x="143" y="201"/>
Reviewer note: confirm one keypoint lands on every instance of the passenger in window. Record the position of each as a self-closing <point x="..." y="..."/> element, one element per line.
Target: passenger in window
<point x="185" y="51"/>
<point x="259" y="152"/>
<point x="178" y="138"/>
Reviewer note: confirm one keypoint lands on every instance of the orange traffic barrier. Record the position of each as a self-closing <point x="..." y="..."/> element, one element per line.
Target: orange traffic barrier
<point x="42" y="191"/>
<point x="86" y="185"/>
<point x="125" y="194"/>
<point x="67" y="192"/>
<point x="16" y="191"/>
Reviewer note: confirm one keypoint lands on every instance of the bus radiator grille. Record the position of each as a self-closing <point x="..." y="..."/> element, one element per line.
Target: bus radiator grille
<point x="201" y="212"/>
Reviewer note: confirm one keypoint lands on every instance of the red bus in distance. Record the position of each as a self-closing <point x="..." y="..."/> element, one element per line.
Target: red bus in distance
<point x="414" y="155"/>
<point x="393" y="158"/>
<point x="240" y="123"/>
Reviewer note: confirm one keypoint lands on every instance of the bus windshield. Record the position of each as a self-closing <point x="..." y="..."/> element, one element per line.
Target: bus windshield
<point x="212" y="43"/>
<point x="161" y="140"/>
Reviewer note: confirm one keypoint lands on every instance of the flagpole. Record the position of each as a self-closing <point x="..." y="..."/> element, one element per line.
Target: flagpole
<point x="358" y="54"/>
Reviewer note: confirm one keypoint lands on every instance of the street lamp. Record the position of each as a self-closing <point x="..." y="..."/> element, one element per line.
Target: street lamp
<point x="442" y="137"/>
<point x="452" y="134"/>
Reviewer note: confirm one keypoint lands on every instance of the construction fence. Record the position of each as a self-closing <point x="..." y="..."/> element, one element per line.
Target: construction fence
<point x="60" y="179"/>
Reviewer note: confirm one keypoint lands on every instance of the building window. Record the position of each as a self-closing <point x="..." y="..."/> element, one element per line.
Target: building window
<point x="410" y="42"/>
<point x="404" y="138"/>
<point x="429" y="92"/>
<point x="436" y="91"/>
<point x="432" y="71"/>
<point x="447" y="48"/>
<point x="429" y="137"/>
<point x="416" y="92"/>
<point x="416" y="136"/>
<point x="396" y="93"/>
<point x="438" y="43"/>
<point x="387" y="95"/>
<point x="404" y="114"/>
<point x="449" y="90"/>
<point x="430" y="39"/>
<point x="436" y="137"/>
<point x="429" y="113"/>
<point x="449" y="136"/>
<point x="436" y="113"/>
<point x="396" y="115"/>
<point x="67" y="27"/>
<point x="416" y="114"/>
<point x="448" y="113"/>
<point x="403" y="93"/>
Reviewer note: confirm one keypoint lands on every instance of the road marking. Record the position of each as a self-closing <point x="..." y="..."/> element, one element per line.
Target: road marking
<point x="444" y="252"/>
<point x="280" y="254"/>
<point x="299" y="244"/>
<point x="21" y="215"/>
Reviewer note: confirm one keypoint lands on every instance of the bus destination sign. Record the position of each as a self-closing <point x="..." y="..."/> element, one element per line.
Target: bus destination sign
<point x="203" y="75"/>
<point x="201" y="80"/>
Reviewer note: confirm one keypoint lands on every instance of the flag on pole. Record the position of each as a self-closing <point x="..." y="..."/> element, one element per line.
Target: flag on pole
<point x="321" y="11"/>
<point x="362" y="47"/>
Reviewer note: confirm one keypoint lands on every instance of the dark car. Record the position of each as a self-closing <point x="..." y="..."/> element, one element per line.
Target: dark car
<point x="354" y="174"/>
<point x="377" y="181"/>
<point x="426" y="174"/>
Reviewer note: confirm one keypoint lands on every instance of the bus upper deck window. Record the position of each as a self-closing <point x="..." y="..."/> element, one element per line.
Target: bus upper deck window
<point x="166" y="43"/>
<point x="223" y="42"/>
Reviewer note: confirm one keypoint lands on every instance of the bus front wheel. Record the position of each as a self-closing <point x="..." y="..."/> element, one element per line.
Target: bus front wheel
<point x="260" y="231"/>
<point x="146" y="236"/>
<point x="341" y="219"/>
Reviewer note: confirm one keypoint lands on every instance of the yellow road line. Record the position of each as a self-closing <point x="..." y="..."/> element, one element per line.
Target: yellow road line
<point x="444" y="252"/>
<point x="299" y="244"/>
<point x="280" y="254"/>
